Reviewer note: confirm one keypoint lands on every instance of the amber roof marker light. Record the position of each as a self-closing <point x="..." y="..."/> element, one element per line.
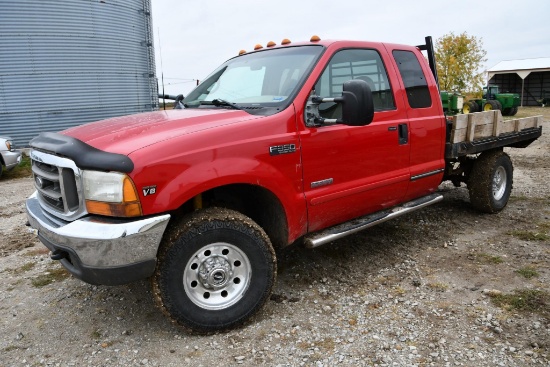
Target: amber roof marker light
<point x="284" y="42"/>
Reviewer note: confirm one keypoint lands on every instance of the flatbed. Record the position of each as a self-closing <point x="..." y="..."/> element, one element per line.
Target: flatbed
<point x="474" y="133"/>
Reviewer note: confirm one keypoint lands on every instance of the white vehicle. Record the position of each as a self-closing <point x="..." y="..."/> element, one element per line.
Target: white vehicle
<point x="9" y="157"/>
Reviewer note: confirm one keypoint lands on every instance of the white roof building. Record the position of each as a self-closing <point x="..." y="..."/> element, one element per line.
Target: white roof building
<point x="528" y="77"/>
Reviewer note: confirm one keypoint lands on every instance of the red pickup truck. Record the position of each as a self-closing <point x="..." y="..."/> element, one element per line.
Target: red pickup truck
<point x="304" y="141"/>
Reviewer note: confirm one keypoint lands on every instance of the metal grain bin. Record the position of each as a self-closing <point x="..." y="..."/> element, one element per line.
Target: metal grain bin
<point x="67" y="62"/>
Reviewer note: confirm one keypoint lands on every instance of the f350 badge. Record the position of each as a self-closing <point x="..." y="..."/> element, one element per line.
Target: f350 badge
<point x="149" y="190"/>
<point x="282" y="149"/>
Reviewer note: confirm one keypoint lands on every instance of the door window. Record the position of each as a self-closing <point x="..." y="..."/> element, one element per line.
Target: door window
<point x="354" y="64"/>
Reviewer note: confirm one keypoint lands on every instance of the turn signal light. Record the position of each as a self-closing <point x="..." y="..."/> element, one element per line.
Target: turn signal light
<point x="114" y="209"/>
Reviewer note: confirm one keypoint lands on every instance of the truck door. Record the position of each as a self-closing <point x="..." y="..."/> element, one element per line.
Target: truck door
<point x="426" y="123"/>
<point x="353" y="170"/>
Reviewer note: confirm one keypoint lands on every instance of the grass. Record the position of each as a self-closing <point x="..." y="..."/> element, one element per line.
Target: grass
<point x="437" y="286"/>
<point x="22" y="170"/>
<point x="527" y="300"/>
<point x="528" y="272"/>
<point x="532" y="111"/>
<point x="9" y="348"/>
<point x="25" y="268"/>
<point x="530" y="235"/>
<point x="53" y="275"/>
<point x="489" y="259"/>
<point x="36" y="252"/>
<point x="22" y="269"/>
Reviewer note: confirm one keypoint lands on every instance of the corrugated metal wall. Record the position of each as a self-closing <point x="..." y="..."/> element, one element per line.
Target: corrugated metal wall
<point x="534" y="85"/>
<point x="67" y="62"/>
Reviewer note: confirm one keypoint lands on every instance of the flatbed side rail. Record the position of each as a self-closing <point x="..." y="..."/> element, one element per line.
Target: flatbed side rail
<point x="521" y="139"/>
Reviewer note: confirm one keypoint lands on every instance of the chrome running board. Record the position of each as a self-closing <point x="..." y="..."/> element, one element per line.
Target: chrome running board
<point x="358" y="224"/>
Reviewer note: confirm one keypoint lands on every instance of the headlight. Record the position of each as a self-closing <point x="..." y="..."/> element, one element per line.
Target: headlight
<point x="110" y="193"/>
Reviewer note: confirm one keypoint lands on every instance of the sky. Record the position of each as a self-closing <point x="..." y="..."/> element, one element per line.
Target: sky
<point x="193" y="38"/>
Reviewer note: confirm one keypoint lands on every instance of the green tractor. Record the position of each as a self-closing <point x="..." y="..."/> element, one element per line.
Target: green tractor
<point x="545" y="98"/>
<point x="507" y="103"/>
<point x="452" y="102"/>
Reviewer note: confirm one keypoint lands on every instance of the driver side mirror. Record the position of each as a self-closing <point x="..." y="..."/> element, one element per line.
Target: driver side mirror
<point x="357" y="106"/>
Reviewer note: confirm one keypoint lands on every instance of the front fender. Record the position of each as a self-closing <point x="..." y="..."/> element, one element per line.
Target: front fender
<point x="190" y="180"/>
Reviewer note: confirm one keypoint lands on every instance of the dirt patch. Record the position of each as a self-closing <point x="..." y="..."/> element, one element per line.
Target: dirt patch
<point x="445" y="285"/>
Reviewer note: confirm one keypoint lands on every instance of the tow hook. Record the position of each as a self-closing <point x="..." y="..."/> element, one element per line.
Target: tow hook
<point x="58" y="255"/>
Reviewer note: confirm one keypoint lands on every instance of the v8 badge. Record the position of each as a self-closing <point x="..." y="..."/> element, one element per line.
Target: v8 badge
<point x="149" y="190"/>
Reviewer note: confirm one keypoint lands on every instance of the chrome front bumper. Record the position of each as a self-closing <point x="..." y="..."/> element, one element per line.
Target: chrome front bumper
<point x="100" y="250"/>
<point x="11" y="159"/>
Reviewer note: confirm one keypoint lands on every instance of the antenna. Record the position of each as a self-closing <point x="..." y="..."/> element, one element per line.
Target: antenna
<point x="161" y="72"/>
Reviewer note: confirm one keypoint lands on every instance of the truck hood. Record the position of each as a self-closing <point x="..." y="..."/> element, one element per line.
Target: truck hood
<point x="126" y="134"/>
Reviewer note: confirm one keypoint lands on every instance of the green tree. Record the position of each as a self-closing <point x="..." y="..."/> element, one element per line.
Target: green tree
<point x="460" y="61"/>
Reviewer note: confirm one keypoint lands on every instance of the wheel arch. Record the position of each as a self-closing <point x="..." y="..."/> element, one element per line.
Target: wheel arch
<point x="256" y="202"/>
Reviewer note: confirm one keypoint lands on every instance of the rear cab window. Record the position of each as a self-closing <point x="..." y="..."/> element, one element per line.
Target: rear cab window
<point x="414" y="80"/>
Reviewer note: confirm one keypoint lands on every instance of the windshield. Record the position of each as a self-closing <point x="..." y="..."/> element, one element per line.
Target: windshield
<point x="257" y="80"/>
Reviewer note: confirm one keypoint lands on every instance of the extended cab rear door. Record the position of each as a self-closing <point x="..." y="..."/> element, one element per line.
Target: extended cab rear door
<point x="426" y="120"/>
<point x="354" y="170"/>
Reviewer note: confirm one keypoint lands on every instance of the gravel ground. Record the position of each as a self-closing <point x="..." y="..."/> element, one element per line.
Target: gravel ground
<point x="417" y="291"/>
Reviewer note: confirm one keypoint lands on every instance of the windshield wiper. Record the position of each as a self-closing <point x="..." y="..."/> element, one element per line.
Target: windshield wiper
<point x="222" y="102"/>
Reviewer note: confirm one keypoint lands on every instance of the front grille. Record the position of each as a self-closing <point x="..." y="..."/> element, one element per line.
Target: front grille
<point x="57" y="181"/>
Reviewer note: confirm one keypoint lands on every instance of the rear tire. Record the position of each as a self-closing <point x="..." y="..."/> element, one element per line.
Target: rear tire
<point x="490" y="181"/>
<point x="214" y="271"/>
<point x="469" y="107"/>
<point x="492" y="105"/>
<point x="513" y="111"/>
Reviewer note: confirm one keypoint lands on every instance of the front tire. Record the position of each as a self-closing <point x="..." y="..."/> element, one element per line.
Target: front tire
<point x="214" y="271"/>
<point x="490" y="181"/>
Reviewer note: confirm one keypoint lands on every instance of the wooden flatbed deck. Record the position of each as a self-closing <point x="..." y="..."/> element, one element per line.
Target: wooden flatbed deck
<point x="476" y="132"/>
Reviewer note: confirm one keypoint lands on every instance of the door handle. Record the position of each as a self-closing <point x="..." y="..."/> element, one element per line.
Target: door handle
<point x="392" y="128"/>
<point x="403" y="134"/>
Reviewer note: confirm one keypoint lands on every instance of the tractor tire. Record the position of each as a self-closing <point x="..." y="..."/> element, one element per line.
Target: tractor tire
<point x="513" y="111"/>
<point x="491" y="105"/>
<point x="469" y="107"/>
<point x="490" y="181"/>
<point x="507" y="111"/>
<point x="215" y="270"/>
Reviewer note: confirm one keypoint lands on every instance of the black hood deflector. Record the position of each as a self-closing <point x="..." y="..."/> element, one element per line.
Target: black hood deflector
<point x="85" y="156"/>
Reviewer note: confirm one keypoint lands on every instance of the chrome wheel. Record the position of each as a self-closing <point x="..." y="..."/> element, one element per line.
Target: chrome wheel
<point x="499" y="183"/>
<point x="217" y="276"/>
